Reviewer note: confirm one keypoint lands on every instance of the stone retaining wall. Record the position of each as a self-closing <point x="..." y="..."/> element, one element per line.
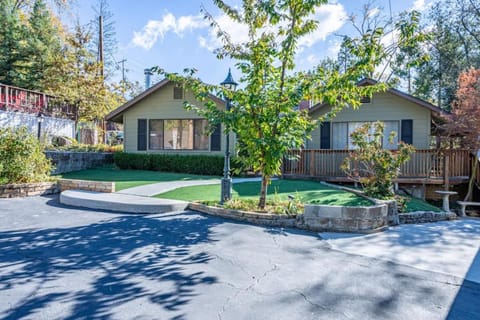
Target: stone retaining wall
<point x="66" y="161"/>
<point x="27" y="189"/>
<point x="374" y="218"/>
<point x="426" y="216"/>
<point x="267" y="219"/>
<point x="345" y="219"/>
<point x="98" y="186"/>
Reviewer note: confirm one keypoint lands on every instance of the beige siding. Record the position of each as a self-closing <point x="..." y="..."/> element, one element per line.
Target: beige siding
<point x="161" y="105"/>
<point x="386" y="107"/>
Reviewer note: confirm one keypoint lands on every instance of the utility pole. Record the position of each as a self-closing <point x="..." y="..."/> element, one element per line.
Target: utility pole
<point x="100" y="45"/>
<point x="123" y="75"/>
<point x="100" y="60"/>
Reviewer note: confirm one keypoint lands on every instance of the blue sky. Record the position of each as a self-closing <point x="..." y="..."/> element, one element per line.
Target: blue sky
<point x="173" y="35"/>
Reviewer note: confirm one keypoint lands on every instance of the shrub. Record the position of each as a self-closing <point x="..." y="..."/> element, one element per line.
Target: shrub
<point x="76" y="147"/>
<point x="191" y="164"/>
<point x="21" y="157"/>
<point x="376" y="168"/>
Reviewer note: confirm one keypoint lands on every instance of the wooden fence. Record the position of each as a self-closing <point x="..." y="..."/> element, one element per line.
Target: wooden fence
<point x="427" y="164"/>
<point x="15" y="99"/>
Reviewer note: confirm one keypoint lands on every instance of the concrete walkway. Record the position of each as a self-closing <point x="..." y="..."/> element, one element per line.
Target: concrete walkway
<point x="137" y="199"/>
<point x="149" y="190"/>
<point x="449" y="247"/>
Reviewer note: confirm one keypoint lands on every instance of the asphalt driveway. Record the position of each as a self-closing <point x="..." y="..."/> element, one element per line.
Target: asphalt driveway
<point x="65" y="263"/>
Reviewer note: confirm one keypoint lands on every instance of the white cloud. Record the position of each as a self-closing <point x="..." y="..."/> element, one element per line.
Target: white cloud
<point x="238" y="33"/>
<point x="421" y="5"/>
<point x="330" y="17"/>
<point x="334" y="48"/>
<point x="157" y="29"/>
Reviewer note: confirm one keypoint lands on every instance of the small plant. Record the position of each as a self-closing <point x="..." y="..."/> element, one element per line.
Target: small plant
<point x="278" y="207"/>
<point x="372" y="166"/>
<point x="21" y="157"/>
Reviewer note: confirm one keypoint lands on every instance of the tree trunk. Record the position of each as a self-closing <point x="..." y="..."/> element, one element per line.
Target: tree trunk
<point x="263" y="191"/>
<point x="471" y="182"/>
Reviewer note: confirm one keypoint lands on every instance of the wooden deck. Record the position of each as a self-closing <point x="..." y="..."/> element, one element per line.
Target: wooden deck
<point x="425" y="166"/>
<point x="15" y="99"/>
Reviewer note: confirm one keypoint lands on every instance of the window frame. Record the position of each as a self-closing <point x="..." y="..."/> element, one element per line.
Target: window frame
<point x="348" y="124"/>
<point x="193" y="120"/>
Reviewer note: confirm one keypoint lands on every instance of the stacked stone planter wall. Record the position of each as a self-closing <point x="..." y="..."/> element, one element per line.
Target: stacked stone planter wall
<point x="27" y="189"/>
<point x="97" y="186"/>
<point x="66" y="161"/>
<point x="345" y="219"/>
<point x="266" y="219"/>
<point x="315" y="218"/>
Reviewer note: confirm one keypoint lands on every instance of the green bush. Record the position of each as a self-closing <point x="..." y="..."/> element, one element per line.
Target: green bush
<point x="76" y="147"/>
<point x="373" y="166"/>
<point x="21" y="157"/>
<point x="192" y="164"/>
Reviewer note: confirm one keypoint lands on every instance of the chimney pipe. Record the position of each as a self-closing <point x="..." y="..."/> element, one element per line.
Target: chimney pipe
<point x="148" y="73"/>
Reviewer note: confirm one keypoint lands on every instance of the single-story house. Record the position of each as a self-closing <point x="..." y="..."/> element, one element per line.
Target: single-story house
<point x="157" y="122"/>
<point x="410" y="117"/>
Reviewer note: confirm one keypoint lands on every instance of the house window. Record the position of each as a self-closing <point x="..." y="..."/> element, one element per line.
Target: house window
<point x="341" y="134"/>
<point x="200" y="138"/>
<point x="177" y="92"/>
<point x="173" y="134"/>
<point x="155" y="141"/>
<point x="178" y="134"/>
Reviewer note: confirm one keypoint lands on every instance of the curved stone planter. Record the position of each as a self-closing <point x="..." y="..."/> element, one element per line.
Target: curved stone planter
<point x="265" y="219"/>
<point x="315" y="218"/>
<point x="346" y="219"/>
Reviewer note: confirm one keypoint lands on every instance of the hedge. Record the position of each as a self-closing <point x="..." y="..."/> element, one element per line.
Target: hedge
<point x="191" y="164"/>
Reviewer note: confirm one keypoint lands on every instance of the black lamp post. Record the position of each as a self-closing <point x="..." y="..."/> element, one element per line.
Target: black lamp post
<point x="39" y="128"/>
<point x="226" y="195"/>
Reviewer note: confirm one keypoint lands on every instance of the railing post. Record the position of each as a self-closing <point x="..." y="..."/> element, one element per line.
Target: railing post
<point x="7" y="100"/>
<point x="446" y="171"/>
<point x="312" y="163"/>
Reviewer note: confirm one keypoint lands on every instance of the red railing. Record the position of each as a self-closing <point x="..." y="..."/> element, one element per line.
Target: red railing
<point x="423" y="163"/>
<point x="27" y="101"/>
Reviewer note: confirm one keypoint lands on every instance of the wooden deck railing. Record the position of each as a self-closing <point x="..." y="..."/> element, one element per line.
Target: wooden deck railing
<point x="429" y="164"/>
<point x="33" y="102"/>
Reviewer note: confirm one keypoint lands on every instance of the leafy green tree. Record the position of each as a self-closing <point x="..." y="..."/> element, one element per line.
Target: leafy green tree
<point x="374" y="167"/>
<point x="263" y="116"/>
<point x="453" y="49"/>
<point x="77" y="82"/>
<point x="44" y="45"/>
<point x="13" y="45"/>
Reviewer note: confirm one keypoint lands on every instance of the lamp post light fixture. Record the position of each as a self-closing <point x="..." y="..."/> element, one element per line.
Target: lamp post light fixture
<point x="39" y="127"/>
<point x="226" y="192"/>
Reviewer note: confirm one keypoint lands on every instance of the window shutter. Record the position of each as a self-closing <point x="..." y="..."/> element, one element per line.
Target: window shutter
<point x="142" y="135"/>
<point x="325" y="135"/>
<point x="215" y="138"/>
<point x="407" y="131"/>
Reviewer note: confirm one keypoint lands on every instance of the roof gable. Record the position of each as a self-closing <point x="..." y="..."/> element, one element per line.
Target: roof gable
<point x="398" y="93"/>
<point x="115" y="114"/>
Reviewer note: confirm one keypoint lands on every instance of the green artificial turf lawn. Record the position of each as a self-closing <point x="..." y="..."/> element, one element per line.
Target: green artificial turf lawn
<point x="304" y="191"/>
<point x="125" y="179"/>
<point x="413" y="204"/>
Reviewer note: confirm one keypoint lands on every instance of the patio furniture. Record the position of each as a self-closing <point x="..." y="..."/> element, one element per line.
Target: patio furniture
<point x="445" y="195"/>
